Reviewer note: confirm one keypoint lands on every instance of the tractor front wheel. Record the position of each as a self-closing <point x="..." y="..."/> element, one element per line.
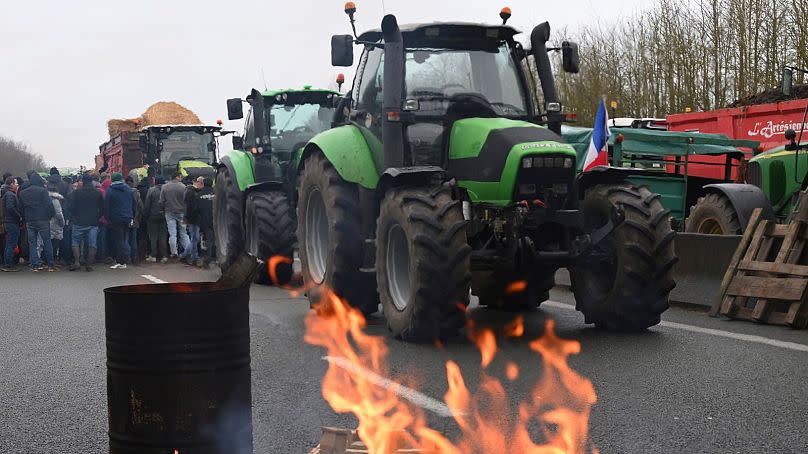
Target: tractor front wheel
<point x="330" y="240"/>
<point x="271" y="233"/>
<point x="623" y="284"/>
<point x="227" y="219"/>
<point x="713" y="214"/>
<point x="422" y="263"/>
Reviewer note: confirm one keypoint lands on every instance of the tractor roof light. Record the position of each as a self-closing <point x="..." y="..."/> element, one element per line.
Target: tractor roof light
<point x="350" y="9"/>
<point x="340" y="78"/>
<point x="505" y="14"/>
<point x="219" y="121"/>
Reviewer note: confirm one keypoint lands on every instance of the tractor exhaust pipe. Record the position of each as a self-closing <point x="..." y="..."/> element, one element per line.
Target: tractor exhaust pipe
<point x="538" y="43"/>
<point x="264" y="169"/>
<point x="392" y="129"/>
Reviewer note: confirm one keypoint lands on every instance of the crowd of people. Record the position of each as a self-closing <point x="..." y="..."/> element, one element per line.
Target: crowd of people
<point x="79" y="222"/>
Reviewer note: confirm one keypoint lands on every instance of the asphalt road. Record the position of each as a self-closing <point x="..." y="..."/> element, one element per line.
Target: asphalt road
<point x="693" y="384"/>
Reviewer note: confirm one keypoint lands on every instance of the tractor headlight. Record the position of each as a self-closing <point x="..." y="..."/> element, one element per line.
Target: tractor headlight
<point x="527" y="163"/>
<point x="567" y="163"/>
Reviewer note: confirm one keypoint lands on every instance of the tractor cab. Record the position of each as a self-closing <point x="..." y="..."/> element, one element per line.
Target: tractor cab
<point x="187" y="149"/>
<point x="447" y="72"/>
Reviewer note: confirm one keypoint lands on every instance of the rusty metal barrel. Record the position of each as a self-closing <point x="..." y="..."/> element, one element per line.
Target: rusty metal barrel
<point x="178" y="369"/>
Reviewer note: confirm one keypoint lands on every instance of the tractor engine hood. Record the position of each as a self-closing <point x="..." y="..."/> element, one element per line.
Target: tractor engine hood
<point x="485" y="154"/>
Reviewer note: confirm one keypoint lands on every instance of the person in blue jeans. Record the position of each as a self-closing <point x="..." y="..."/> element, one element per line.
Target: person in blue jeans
<point x="172" y="199"/>
<point x="11" y="223"/>
<point x="85" y="206"/>
<point x="37" y="211"/>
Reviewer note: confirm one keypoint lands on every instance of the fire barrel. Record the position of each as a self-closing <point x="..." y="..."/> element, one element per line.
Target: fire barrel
<point x="178" y="369"/>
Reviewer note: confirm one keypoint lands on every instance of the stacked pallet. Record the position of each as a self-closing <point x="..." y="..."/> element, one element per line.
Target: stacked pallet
<point x="767" y="279"/>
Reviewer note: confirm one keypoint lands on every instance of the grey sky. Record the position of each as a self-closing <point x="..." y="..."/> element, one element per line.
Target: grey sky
<point x="69" y="66"/>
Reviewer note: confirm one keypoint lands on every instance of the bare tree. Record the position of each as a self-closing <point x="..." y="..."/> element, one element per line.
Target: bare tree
<point x="16" y="158"/>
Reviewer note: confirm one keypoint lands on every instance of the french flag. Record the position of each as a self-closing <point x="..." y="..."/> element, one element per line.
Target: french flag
<point x="598" y="154"/>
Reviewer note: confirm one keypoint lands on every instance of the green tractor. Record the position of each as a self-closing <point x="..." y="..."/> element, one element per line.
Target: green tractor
<point x="439" y="179"/>
<point x="255" y="185"/>
<point x="187" y="149"/>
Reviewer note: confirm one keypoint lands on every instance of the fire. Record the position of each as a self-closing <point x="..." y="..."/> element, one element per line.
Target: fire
<point x="553" y="418"/>
<point x="516" y="287"/>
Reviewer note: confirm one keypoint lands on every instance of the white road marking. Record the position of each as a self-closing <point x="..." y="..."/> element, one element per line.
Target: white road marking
<point x="153" y="279"/>
<point x="417" y="398"/>
<point x="713" y="332"/>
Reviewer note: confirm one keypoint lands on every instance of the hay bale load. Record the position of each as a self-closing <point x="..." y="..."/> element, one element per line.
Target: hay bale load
<point x="159" y="113"/>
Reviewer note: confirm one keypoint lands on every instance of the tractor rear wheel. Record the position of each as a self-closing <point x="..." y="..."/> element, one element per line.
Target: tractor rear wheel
<point x="330" y="240"/>
<point x="227" y="219"/>
<point x="624" y="285"/>
<point x="270" y="229"/>
<point x="512" y="291"/>
<point x="422" y="263"/>
<point x="713" y="214"/>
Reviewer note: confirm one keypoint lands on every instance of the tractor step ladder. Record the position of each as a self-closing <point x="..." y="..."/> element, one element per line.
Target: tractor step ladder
<point x="767" y="280"/>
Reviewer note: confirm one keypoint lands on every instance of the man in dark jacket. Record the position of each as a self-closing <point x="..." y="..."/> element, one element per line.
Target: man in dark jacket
<point x="86" y="207"/>
<point x="37" y="210"/>
<point x="11" y="222"/>
<point x="56" y="180"/>
<point x="155" y="219"/>
<point x="192" y="215"/>
<point x="206" y="221"/>
<point x="134" y="229"/>
<point x="119" y="213"/>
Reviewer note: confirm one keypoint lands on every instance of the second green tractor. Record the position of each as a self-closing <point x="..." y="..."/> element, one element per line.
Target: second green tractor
<point x="255" y="184"/>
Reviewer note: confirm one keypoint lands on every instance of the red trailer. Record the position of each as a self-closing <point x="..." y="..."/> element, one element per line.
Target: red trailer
<point x="766" y="123"/>
<point x="122" y="153"/>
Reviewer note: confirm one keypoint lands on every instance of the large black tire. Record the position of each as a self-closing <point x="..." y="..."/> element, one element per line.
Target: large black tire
<point x="330" y="242"/>
<point x="422" y="263"/>
<point x="270" y="227"/>
<point x="713" y="214"/>
<point x="227" y="219"/>
<point x="492" y="289"/>
<point x="627" y="287"/>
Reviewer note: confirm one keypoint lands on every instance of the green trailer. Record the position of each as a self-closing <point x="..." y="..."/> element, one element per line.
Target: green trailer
<point x="255" y="183"/>
<point x="667" y="160"/>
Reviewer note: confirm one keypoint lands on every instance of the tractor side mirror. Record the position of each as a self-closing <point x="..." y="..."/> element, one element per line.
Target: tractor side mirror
<point x="238" y="142"/>
<point x="569" y="57"/>
<point x="234" y="109"/>
<point x="342" y="50"/>
<point x="788" y="81"/>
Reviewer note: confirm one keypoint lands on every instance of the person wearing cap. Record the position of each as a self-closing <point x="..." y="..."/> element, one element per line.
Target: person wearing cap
<point x="119" y="212"/>
<point x="155" y="219"/>
<point x="85" y="207"/>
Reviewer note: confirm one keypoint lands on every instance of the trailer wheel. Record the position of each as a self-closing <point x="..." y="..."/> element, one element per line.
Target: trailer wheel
<point x="624" y="283"/>
<point x="713" y="214"/>
<point x="227" y="219"/>
<point x="270" y="229"/>
<point x="422" y="263"/>
<point x="512" y="291"/>
<point x="330" y="242"/>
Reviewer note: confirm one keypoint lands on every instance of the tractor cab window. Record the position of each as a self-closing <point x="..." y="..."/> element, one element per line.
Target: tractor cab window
<point x="292" y="126"/>
<point x="438" y="78"/>
<point x="185" y="145"/>
<point x="249" y="131"/>
<point x="368" y="90"/>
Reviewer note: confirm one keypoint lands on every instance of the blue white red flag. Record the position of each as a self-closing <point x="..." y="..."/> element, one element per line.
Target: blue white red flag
<point x="598" y="154"/>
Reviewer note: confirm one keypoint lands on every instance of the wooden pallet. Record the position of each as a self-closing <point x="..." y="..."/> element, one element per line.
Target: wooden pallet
<point x="767" y="280"/>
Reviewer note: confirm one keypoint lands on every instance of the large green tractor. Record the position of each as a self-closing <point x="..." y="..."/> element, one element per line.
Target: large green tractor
<point x="255" y="184"/>
<point x="439" y="179"/>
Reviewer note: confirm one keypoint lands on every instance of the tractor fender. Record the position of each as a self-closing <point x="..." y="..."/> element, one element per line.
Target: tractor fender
<point x="347" y="150"/>
<point x="410" y="176"/>
<point x="744" y="199"/>
<point x="240" y="165"/>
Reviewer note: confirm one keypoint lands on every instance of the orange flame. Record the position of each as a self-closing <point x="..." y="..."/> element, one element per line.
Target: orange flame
<point x="516" y="287"/>
<point x="553" y="418"/>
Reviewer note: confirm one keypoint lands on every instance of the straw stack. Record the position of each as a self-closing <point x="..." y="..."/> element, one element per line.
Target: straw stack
<point x="160" y="113"/>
